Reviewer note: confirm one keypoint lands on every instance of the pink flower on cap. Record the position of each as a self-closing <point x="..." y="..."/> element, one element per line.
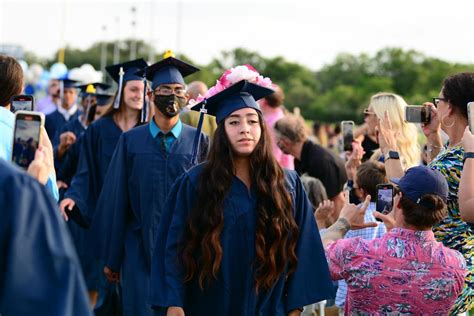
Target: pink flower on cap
<point x="231" y="77"/>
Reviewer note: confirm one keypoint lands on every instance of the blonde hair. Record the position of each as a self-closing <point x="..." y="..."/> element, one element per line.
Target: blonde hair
<point x="407" y="134"/>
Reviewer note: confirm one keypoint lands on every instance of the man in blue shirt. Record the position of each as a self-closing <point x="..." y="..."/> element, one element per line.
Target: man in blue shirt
<point x="146" y="162"/>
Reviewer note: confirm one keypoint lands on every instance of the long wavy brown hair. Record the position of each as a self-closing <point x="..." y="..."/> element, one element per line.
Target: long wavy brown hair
<point x="276" y="230"/>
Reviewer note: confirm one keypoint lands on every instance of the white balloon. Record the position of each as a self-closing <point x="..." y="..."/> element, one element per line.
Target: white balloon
<point x="58" y="70"/>
<point x="33" y="75"/>
<point x="86" y="73"/>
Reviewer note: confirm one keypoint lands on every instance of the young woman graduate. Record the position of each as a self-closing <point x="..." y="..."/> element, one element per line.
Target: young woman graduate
<point x="97" y="147"/>
<point x="147" y="161"/>
<point x="238" y="236"/>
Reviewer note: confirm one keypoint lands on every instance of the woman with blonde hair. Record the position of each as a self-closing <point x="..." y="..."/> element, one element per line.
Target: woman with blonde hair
<point x="407" y="134"/>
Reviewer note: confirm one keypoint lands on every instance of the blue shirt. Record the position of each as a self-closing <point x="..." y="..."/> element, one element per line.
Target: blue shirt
<point x="170" y="137"/>
<point x="7" y="122"/>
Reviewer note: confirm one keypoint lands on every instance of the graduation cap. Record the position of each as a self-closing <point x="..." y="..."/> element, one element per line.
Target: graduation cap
<point x="168" y="70"/>
<point x="243" y="94"/>
<point x="103" y="99"/>
<point x="123" y="72"/>
<point x="65" y="83"/>
<point x="91" y="88"/>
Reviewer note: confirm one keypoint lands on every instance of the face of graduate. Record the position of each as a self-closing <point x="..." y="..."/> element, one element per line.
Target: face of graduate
<point x="70" y="95"/>
<point x="243" y="131"/>
<point x="133" y="94"/>
<point x="170" y="98"/>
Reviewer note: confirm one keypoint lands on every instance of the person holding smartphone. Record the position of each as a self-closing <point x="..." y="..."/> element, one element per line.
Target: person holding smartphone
<point x="406" y="271"/>
<point x="466" y="185"/>
<point x="449" y="114"/>
<point x="11" y="83"/>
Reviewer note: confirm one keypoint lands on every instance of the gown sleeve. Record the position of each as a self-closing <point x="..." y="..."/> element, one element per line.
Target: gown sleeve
<point x="111" y="215"/>
<point x="166" y="285"/>
<point x="84" y="188"/>
<point x="39" y="269"/>
<point x="311" y="282"/>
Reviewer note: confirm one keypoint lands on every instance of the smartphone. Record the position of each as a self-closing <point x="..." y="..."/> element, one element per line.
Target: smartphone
<point x="347" y="128"/>
<point x="384" y="201"/>
<point x="26" y="137"/>
<point x="470" y="116"/>
<point x="23" y="102"/>
<point x="417" y="114"/>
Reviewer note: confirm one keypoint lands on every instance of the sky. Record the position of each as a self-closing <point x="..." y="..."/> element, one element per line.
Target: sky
<point x="311" y="32"/>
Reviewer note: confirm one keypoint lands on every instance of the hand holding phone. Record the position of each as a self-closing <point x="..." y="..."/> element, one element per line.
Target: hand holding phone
<point x="384" y="203"/>
<point x="418" y="114"/>
<point x="347" y="128"/>
<point x="23" y="102"/>
<point x="26" y="137"/>
<point x="470" y="116"/>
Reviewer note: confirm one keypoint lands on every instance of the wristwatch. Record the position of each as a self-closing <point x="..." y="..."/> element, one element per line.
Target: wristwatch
<point x="391" y="155"/>
<point x="468" y="155"/>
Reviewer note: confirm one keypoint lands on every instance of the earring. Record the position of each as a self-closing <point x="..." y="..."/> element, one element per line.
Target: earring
<point x="446" y="125"/>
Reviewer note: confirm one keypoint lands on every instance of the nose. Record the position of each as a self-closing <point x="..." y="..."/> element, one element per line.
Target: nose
<point x="245" y="128"/>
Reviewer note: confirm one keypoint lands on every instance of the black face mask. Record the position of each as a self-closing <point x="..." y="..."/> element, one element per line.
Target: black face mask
<point x="170" y="105"/>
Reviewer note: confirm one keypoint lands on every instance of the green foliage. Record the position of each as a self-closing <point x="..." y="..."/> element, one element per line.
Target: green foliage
<point x="338" y="91"/>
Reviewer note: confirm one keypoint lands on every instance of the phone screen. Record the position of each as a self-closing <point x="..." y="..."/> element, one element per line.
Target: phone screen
<point x="470" y="116"/>
<point x="347" y="134"/>
<point x="417" y="114"/>
<point x="384" y="199"/>
<point x="22" y="103"/>
<point x="25" y="139"/>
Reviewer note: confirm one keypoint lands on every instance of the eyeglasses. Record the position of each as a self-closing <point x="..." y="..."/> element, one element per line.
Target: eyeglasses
<point x="165" y="90"/>
<point x="437" y="100"/>
<point x="367" y="112"/>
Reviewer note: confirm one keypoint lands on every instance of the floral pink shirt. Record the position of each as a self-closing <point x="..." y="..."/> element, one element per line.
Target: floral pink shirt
<point x="404" y="271"/>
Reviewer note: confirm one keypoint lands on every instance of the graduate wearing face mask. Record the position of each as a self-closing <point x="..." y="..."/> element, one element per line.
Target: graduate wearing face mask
<point x="145" y="164"/>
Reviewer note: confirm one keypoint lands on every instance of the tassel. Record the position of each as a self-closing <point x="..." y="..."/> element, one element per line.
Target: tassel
<point x="197" y="137"/>
<point x="119" y="92"/>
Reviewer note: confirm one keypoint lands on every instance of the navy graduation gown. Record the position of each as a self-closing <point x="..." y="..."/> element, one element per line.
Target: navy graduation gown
<point x="136" y="186"/>
<point x="74" y="125"/>
<point x="55" y="121"/>
<point x="234" y="291"/>
<point x="69" y="164"/>
<point x="39" y="270"/>
<point x="96" y="149"/>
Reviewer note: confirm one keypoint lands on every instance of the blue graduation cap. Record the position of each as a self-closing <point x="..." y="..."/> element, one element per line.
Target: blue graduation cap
<point x="168" y="70"/>
<point x="68" y="83"/>
<point x="91" y="88"/>
<point x="65" y="83"/>
<point x="103" y="98"/>
<point x="243" y="94"/>
<point x="123" y="72"/>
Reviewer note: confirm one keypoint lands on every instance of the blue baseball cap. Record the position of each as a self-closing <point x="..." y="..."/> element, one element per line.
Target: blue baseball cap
<point x="420" y="181"/>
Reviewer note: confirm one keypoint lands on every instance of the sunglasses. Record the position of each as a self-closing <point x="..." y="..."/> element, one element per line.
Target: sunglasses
<point x="367" y="112"/>
<point x="437" y="100"/>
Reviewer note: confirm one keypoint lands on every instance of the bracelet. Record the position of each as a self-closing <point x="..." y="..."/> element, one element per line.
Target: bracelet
<point x="468" y="155"/>
<point x="431" y="147"/>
